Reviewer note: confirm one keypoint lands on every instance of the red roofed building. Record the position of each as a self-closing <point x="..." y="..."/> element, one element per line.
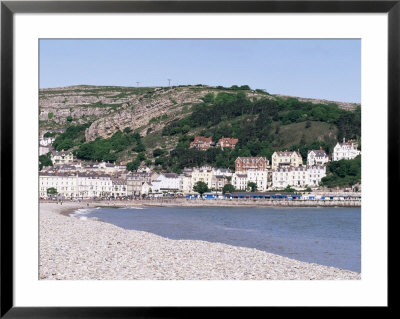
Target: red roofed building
<point x="227" y="142"/>
<point x="201" y="143"/>
<point x="243" y="164"/>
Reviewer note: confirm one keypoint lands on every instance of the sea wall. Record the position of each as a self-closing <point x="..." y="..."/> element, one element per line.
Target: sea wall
<point x="183" y="202"/>
<point x="251" y="202"/>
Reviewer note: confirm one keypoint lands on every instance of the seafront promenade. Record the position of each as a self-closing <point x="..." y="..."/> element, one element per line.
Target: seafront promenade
<point x="239" y="202"/>
<point x="79" y="249"/>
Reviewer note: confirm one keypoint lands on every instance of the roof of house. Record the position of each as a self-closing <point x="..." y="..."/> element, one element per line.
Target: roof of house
<point x="251" y="158"/>
<point x="229" y="140"/>
<point x="287" y="153"/>
<point x="219" y="176"/>
<point x="171" y="175"/>
<point x="319" y="153"/>
<point x="241" y="175"/>
<point x="202" y="139"/>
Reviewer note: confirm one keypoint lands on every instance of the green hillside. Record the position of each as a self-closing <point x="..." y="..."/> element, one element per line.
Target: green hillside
<point x="263" y="123"/>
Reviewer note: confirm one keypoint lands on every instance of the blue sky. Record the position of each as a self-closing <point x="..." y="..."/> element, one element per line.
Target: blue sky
<point x="326" y="69"/>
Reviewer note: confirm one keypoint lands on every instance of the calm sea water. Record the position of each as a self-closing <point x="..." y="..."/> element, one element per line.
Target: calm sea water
<point x="327" y="236"/>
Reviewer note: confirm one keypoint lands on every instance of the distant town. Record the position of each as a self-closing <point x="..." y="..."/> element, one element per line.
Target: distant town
<point x="68" y="178"/>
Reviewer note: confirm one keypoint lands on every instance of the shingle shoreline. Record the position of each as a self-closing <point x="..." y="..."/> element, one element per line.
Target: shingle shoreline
<point x="75" y="249"/>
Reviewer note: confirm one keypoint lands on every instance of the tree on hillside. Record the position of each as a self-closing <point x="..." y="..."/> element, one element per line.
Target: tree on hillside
<point x="343" y="173"/>
<point x="158" y="152"/>
<point x="141" y="156"/>
<point x="133" y="166"/>
<point x="45" y="160"/>
<point x="200" y="187"/>
<point x="49" y="134"/>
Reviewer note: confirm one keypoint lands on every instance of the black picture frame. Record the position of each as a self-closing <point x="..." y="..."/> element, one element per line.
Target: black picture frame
<point x="9" y="8"/>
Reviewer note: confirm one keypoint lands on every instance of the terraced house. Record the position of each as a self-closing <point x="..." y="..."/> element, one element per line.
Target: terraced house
<point x="119" y="188"/>
<point x="135" y="181"/>
<point x="251" y="169"/>
<point x="301" y="176"/>
<point x="76" y="185"/>
<point x="215" y="178"/>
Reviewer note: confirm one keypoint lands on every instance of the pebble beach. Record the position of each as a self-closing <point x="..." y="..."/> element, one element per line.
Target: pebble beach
<point x="89" y="249"/>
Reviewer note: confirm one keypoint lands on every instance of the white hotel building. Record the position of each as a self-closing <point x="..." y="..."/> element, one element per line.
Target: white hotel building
<point x="81" y="185"/>
<point x="259" y="177"/>
<point x="300" y="177"/>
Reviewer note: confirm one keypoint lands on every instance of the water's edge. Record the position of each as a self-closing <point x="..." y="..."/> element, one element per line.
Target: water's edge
<point x="285" y="241"/>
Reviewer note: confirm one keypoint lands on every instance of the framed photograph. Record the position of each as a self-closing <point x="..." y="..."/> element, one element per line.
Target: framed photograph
<point x="165" y="157"/>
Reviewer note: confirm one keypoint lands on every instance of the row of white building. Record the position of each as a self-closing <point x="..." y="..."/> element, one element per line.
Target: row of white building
<point x="287" y="169"/>
<point x="83" y="185"/>
<point x="80" y="185"/>
<point x="73" y="179"/>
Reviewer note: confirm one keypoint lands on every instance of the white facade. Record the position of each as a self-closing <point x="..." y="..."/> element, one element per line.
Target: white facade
<point x="315" y="174"/>
<point x="80" y="185"/>
<point x="119" y="188"/>
<point x="43" y="150"/>
<point x="239" y="181"/>
<point x="258" y="177"/>
<point x="345" y="151"/>
<point x="202" y="174"/>
<point x="185" y="183"/>
<point x="317" y="157"/>
<point x="166" y="182"/>
<point x="146" y="188"/>
<point x="302" y="176"/>
<point x="65" y="184"/>
<point x="209" y="175"/>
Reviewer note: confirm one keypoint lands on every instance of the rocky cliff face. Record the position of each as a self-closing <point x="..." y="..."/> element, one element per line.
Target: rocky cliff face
<point x="138" y="112"/>
<point x="110" y="109"/>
